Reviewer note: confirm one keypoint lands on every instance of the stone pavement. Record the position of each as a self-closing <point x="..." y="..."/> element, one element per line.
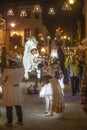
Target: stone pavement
<point x="73" y="118"/>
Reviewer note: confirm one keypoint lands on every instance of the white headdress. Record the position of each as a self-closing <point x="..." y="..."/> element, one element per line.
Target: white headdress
<point x="29" y="45"/>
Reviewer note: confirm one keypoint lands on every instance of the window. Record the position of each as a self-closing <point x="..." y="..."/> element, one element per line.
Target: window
<point x="37" y="16"/>
<point x="26" y="33"/>
<point x="36" y="32"/>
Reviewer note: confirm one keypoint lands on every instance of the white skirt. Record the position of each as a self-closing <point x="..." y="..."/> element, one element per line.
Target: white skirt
<point x="46" y="90"/>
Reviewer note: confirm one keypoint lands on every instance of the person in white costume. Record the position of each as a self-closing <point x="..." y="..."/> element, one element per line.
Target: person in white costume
<point x="53" y="95"/>
<point x="47" y="92"/>
<point x="30" y="58"/>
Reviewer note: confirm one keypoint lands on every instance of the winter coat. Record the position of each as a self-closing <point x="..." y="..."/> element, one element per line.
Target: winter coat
<point x="12" y="91"/>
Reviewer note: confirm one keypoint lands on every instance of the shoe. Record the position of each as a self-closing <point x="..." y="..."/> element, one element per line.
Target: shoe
<point x="46" y="112"/>
<point x="8" y="124"/>
<point x="19" y="123"/>
<point x="49" y="114"/>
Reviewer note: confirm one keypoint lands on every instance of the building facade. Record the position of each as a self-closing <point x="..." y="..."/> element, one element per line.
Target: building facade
<point x="25" y="25"/>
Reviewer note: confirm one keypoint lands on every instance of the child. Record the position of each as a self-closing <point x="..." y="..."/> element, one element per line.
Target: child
<point x="47" y="92"/>
<point x="53" y="96"/>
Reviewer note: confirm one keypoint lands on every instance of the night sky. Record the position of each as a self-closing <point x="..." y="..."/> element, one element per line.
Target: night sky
<point x="65" y="19"/>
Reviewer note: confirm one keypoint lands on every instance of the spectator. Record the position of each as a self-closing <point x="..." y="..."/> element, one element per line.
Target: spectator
<point x="12" y="93"/>
<point x="74" y="74"/>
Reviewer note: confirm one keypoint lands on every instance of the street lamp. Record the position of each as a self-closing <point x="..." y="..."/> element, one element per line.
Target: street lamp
<point x="23" y="13"/>
<point x="66" y="40"/>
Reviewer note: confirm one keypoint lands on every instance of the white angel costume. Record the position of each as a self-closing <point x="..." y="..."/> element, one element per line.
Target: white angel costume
<point x="47" y="92"/>
<point x="29" y="59"/>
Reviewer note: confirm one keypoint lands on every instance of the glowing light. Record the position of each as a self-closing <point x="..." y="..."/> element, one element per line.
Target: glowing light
<point x="65" y="37"/>
<point x="10" y="12"/>
<point x="23" y="13"/>
<point x="54" y="53"/>
<point x="37" y="9"/>
<point x="71" y="1"/>
<point x="51" y="11"/>
<point x="66" y="6"/>
<point x="16" y="47"/>
<point x="48" y="37"/>
<point x="12" y="24"/>
<point x="43" y="50"/>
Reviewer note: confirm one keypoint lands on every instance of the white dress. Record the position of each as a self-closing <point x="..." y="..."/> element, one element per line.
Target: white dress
<point x="46" y="90"/>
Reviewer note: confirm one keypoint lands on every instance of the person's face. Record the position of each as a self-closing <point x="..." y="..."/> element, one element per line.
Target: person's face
<point x="34" y="51"/>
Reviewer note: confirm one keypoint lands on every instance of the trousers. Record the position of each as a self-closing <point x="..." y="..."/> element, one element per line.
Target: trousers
<point x="49" y="103"/>
<point x="9" y="113"/>
<point x="74" y="84"/>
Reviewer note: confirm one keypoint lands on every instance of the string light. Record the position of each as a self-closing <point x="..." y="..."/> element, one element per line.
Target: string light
<point x="10" y="12"/>
<point x="37" y="9"/>
<point x="51" y="11"/>
<point x="23" y="13"/>
<point x="66" y="6"/>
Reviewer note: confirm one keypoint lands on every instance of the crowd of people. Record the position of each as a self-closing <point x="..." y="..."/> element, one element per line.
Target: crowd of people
<point x="52" y="81"/>
<point x="74" y="67"/>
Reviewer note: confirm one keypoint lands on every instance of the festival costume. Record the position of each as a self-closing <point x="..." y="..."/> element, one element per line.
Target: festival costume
<point x="53" y="96"/>
<point x="30" y="61"/>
